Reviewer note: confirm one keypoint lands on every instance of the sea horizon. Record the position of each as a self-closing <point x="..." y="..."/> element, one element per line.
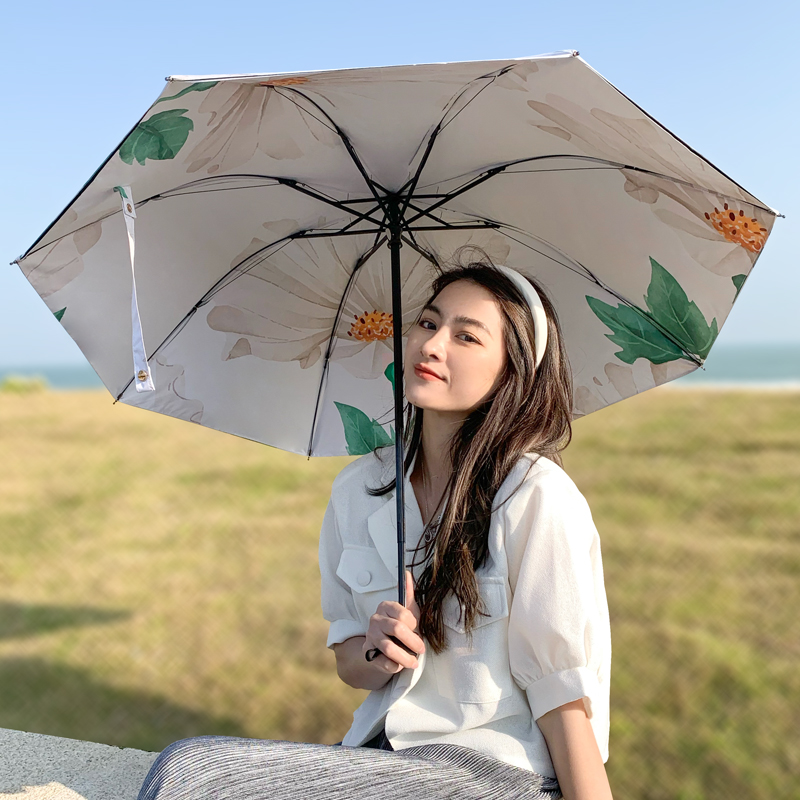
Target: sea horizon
<point x="730" y="366"/>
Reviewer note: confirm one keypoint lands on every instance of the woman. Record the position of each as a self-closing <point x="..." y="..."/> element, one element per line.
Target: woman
<point x="492" y="682"/>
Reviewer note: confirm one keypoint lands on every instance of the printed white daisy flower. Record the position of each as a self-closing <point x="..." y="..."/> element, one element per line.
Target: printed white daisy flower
<point x="284" y="307"/>
<point x="643" y="143"/>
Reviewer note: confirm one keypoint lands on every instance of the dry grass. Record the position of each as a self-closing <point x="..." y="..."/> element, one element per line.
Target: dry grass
<point x="159" y="580"/>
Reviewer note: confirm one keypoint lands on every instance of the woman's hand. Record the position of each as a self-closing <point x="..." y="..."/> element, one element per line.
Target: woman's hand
<point x="390" y="619"/>
<point x="393" y="620"/>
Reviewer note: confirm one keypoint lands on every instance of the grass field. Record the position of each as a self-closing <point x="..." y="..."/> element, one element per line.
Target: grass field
<point x="159" y="580"/>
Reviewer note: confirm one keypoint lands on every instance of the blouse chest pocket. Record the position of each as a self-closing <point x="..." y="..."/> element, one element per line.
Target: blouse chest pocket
<point x="363" y="570"/>
<point x="479" y="673"/>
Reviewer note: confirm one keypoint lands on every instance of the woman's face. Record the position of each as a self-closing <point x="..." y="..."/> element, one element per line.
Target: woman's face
<point x="468" y="356"/>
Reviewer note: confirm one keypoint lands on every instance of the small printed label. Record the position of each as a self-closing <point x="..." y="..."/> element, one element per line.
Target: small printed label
<point x="127" y="201"/>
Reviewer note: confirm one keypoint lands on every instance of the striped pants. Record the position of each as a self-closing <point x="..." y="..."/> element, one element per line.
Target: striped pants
<point x="234" y="768"/>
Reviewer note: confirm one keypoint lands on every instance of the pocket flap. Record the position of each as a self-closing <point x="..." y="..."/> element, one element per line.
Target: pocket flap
<point x="363" y="570"/>
<point x="493" y="593"/>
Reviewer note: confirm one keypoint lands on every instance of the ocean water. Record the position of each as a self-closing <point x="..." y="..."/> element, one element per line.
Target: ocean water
<point x="749" y="365"/>
<point x="57" y="376"/>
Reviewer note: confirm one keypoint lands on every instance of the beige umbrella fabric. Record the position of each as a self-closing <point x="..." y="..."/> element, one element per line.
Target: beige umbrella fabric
<point x="264" y="205"/>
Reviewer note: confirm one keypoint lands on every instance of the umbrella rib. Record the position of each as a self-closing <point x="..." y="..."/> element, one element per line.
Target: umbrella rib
<point x="559" y="169"/>
<point x="356" y="221"/>
<point x="494" y="77"/>
<point x="689" y="147"/>
<point x="371" y="185"/>
<point x="331" y="127"/>
<point x="493" y="225"/>
<point x="440" y="126"/>
<point x="336" y="203"/>
<point x="425" y="212"/>
<point x="461" y="227"/>
<point x="481" y="178"/>
<point x="258" y="258"/>
<point x="655" y="174"/>
<point x="209" y="294"/>
<point x="415" y="179"/>
<point x="411" y="241"/>
<point x="313" y="234"/>
<point x="83" y="188"/>
<point x="379" y="240"/>
<point x="464" y="188"/>
<point x="501" y="168"/>
<point x="170" y="194"/>
<point x="291" y="183"/>
<point x="586" y="273"/>
<point x="592" y="278"/>
<point x="286" y="240"/>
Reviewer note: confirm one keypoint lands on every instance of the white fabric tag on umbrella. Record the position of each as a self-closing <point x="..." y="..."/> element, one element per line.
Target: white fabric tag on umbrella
<point x="143" y="378"/>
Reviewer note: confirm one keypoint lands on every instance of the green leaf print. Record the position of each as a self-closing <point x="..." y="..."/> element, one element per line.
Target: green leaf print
<point x="671" y="308"/>
<point x="635" y="334"/>
<point x="669" y="304"/>
<point x="361" y="433"/>
<point x="158" y="138"/>
<point x="60" y="313"/>
<point x="121" y="191"/>
<point x="738" y="282"/>
<point x="389" y="373"/>
<point x="201" y="86"/>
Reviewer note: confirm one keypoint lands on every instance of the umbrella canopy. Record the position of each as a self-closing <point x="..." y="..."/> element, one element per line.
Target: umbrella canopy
<point x="269" y="210"/>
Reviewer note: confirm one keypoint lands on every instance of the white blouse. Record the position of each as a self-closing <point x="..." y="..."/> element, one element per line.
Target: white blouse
<point x="546" y="642"/>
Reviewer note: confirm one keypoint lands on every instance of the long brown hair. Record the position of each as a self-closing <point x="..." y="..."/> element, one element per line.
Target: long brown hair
<point x="529" y="411"/>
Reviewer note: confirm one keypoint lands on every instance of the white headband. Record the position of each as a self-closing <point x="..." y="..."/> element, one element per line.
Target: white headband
<point x="537" y="310"/>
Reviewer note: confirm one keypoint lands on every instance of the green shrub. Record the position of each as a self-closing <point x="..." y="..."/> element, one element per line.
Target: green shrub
<point x="23" y="384"/>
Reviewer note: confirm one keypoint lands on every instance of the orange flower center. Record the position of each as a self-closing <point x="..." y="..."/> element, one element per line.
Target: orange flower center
<point x="284" y="82"/>
<point x="371" y="327"/>
<point x="738" y="228"/>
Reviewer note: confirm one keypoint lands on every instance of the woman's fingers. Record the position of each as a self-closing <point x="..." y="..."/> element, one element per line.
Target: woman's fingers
<point x="391" y="630"/>
<point x="411" y="603"/>
<point x="391" y="608"/>
<point x="394" y="639"/>
<point x="378" y="638"/>
<point x="383" y="645"/>
<point x="396" y="653"/>
<point x="400" y="631"/>
<point x="397" y="621"/>
<point x="386" y="664"/>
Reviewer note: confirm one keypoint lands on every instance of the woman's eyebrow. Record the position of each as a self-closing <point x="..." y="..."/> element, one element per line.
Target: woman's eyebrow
<point x="460" y="318"/>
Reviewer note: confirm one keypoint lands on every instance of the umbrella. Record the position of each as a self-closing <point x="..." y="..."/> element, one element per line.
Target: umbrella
<point x="277" y="226"/>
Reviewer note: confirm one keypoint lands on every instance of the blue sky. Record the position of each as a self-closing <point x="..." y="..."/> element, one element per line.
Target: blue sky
<point x="721" y="76"/>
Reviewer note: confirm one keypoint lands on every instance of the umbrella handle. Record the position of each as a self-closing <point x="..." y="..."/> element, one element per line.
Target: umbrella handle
<point x="371" y="655"/>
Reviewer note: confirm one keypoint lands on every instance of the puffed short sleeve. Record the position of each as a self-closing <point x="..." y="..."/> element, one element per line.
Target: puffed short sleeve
<point x="338" y="607"/>
<point x="559" y="633"/>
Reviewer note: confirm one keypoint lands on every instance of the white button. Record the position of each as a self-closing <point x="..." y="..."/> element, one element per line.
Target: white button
<point x="364" y="578"/>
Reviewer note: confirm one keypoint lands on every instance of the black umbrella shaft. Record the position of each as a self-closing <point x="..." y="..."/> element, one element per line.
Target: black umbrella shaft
<point x="395" y="243"/>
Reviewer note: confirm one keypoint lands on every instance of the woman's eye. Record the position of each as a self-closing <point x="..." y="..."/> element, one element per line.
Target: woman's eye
<point x="425" y="322"/>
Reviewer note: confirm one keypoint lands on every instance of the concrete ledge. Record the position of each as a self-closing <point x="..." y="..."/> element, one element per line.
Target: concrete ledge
<point x="38" y="767"/>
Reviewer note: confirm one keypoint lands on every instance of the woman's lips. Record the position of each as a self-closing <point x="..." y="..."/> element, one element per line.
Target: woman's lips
<point x="426" y="375"/>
